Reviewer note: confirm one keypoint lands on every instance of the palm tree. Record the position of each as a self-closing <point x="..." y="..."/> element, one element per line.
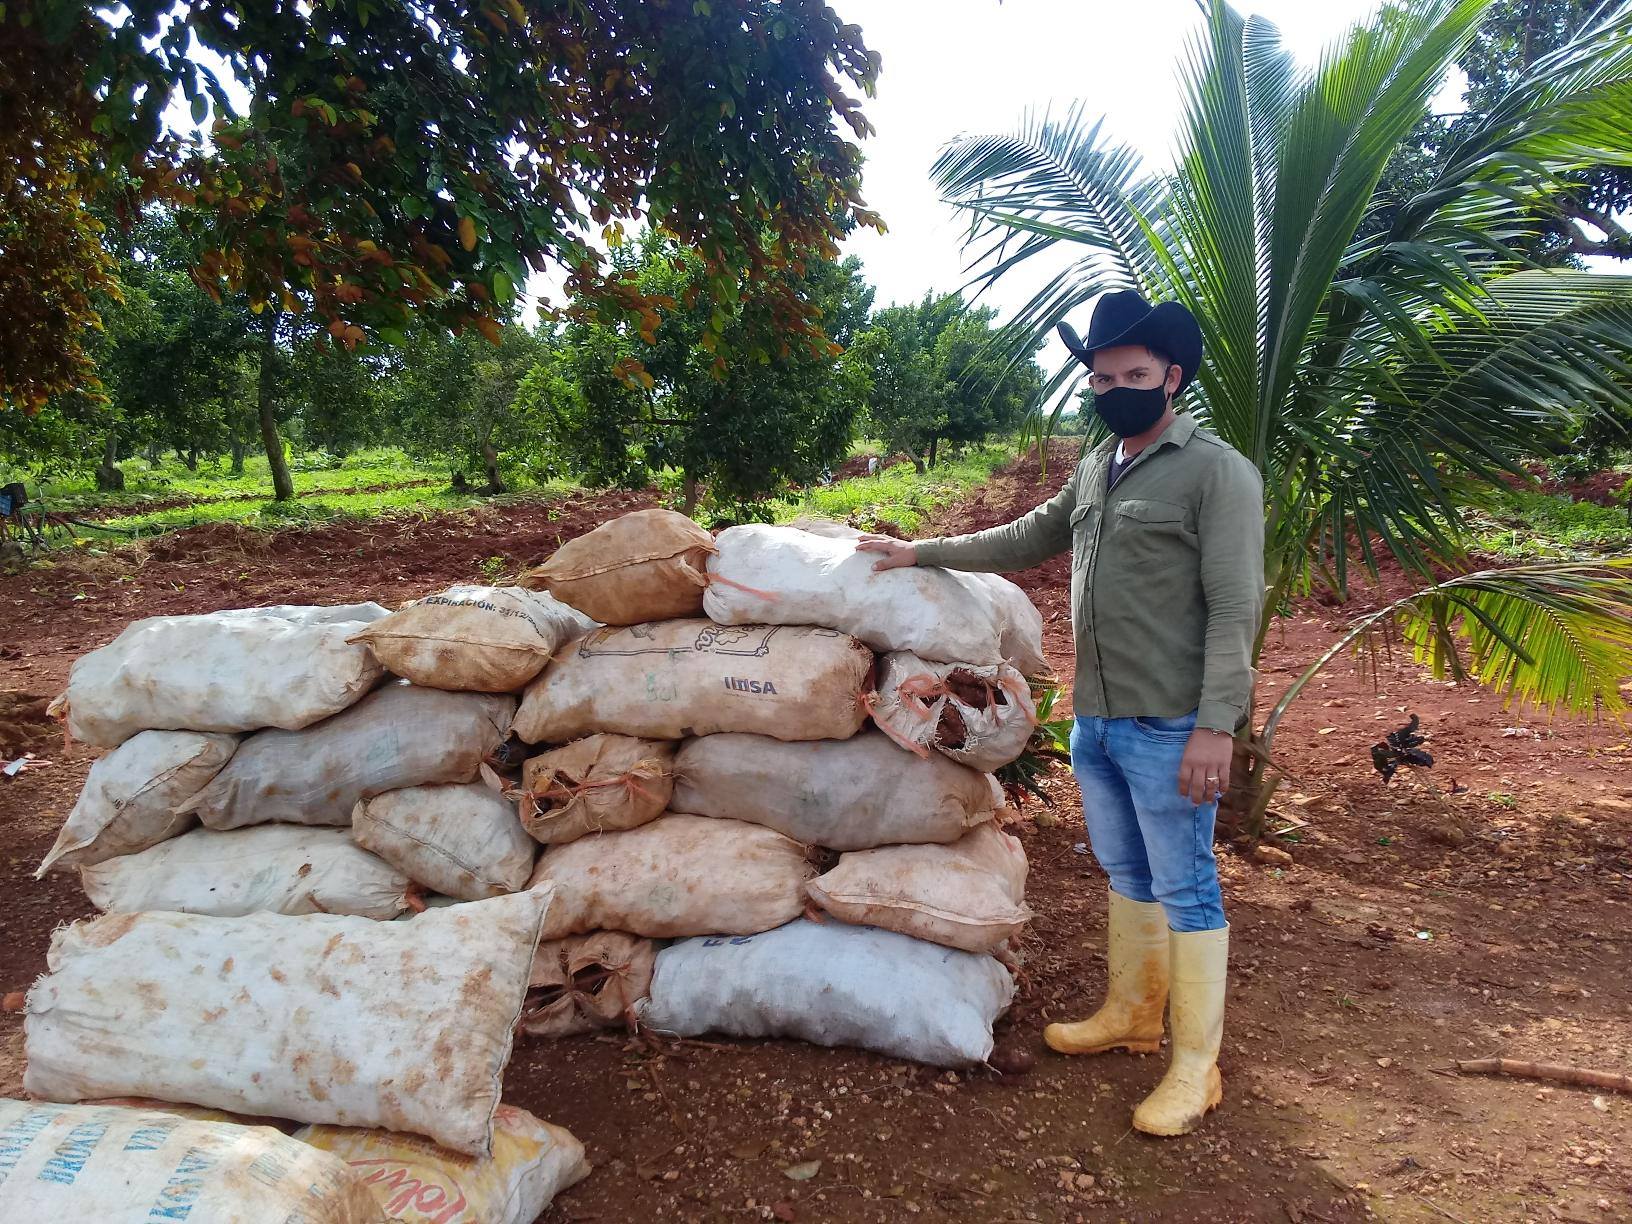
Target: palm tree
<point x="1384" y="379"/>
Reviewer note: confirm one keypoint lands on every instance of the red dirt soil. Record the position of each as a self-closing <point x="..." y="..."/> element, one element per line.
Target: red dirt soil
<point x="1343" y="1018"/>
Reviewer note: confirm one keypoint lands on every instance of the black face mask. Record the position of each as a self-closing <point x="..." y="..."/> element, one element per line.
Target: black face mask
<point x="1129" y="411"/>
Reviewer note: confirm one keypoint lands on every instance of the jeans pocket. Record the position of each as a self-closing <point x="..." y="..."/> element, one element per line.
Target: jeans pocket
<point x="1167" y="728"/>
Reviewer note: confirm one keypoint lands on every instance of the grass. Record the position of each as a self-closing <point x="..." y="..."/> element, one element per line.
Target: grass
<point x="214" y="481"/>
<point x="1523" y="524"/>
<point x="900" y="495"/>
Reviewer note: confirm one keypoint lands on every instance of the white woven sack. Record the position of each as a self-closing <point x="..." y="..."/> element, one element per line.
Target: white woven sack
<point x="316" y="614"/>
<point x="478" y="638"/>
<point x="130" y="797"/>
<point x="108" y="1164"/>
<point x="834" y="985"/>
<point x="401" y="1025"/>
<point x="1023" y="623"/>
<point x="402" y="735"/>
<point x="278" y="869"/>
<point x="765" y="574"/>
<point x="237" y="671"/>
<point x="981" y="717"/>
<point x="417" y="1182"/>
<point x="463" y="840"/>
<point x="843" y="794"/>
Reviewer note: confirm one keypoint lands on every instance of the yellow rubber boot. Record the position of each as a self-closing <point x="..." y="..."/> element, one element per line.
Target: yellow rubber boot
<point x="1192" y="1085"/>
<point x="1136" y="951"/>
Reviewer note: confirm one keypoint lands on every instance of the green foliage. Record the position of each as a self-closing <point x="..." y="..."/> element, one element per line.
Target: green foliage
<point x="455" y="398"/>
<point x="374" y="177"/>
<point x="1524" y="524"/>
<point x="621" y="402"/>
<point x="900" y="495"/>
<point x="935" y="376"/>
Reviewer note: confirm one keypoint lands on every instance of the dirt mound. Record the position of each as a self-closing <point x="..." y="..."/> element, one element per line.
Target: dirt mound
<point x="24" y="724"/>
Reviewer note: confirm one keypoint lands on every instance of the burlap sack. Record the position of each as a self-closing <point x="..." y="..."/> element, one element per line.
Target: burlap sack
<point x="233" y="671"/>
<point x="598" y="784"/>
<point x="474" y="638"/>
<point x="969" y="895"/>
<point x="403" y="735"/>
<point x="679" y="875"/>
<point x="843" y="794"/>
<point x="587" y="982"/>
<point x="461" y="839"/>
<point x="279" y="869"/>
<point x="981" y="717"/>
<point x="692" y="677"/>
<point x="349" y="1021"/>
<point x="130" y="797"/>
<point x="764" y="574"/>
<point x="643" y="566"/>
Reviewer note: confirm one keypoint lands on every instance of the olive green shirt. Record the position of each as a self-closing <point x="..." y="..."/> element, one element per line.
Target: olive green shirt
<point x="1167" y="575"/>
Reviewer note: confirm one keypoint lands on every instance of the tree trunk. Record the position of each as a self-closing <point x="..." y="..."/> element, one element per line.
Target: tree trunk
<point x="109" y="477"/>
<point x="934" y="445"/>
<point x="495" y="482"/>
<point x="191" y="458"/>
<point x="237" y="453"/>
<point x="283" y="488"/>
<point x="688" y="492"/>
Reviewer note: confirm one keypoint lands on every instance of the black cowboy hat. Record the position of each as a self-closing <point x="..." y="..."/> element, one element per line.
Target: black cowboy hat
<point x="1124" y="317"/>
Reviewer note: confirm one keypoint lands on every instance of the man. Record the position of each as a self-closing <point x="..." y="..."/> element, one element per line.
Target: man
<point x="1165" y="523"/>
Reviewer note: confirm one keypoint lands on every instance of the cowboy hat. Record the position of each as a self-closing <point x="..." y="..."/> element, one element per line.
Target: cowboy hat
<point x="1125" y="317"/>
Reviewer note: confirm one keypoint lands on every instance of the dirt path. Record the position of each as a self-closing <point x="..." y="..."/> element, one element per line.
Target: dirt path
<point x="1341" y="1019"/>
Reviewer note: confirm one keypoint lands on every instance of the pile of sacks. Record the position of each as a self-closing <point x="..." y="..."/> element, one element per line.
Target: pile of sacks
<point x="752" y="746"/>
<point x="780" y="760"/>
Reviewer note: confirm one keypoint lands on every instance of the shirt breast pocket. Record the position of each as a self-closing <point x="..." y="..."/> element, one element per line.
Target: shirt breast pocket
<point x="1154" y="530"/>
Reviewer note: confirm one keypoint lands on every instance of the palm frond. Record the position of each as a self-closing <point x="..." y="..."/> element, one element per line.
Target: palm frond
<point x="1554" y="636"/>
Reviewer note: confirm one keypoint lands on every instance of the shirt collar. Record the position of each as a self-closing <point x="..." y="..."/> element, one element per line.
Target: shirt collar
<point x="1178" y="434"/>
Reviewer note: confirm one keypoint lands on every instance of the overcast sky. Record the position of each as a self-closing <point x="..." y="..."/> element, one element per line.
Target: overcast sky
<point x="971" y="67"/>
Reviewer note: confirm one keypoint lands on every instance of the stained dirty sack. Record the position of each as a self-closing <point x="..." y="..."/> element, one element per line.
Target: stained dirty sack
<point x="130" y="797"/>
<point x="834" y="985"/>
<point x="969" y="895"/>
<point x="781" y="575"/>
<point x="693" y="677"/>
<point x="463" y="839"/>
<point x="114" y="1165"/>
<point x="643" y="566"/>
<point x="981" y="717"/>
<point x="401" y="1025"/>
<point x="587" y="982"/>
<point x="477" y="638"/>
<point x="679" y="875"/>
<point x="1022" y="642"/>
<point x="240" y="671"/>
<point x="598" y="784"/>
<point x="843" y="794"/>
<point x="416" y="1182"/>
<point x="278" y="869"/>
<point x="403" y="735"/>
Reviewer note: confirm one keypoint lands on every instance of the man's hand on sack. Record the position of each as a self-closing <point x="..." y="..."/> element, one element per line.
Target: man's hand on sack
<point x="892" y="552"/>
<point x="1204" y="771"/>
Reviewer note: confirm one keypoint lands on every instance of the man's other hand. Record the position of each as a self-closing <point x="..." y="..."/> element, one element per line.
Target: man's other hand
<point x="893" y="553"/>
<point x="1204" y="772"/>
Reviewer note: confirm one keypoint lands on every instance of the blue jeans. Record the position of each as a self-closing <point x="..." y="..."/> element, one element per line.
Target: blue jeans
<point x="1152" y="841"/>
